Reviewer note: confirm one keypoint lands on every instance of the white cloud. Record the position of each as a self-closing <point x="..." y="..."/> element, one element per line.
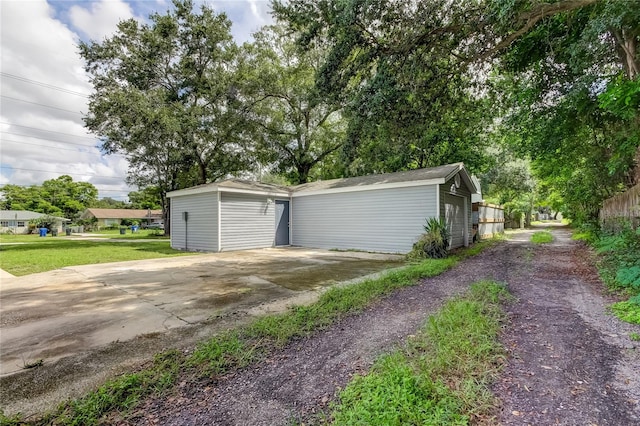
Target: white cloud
<point x="101" y="19"/>
<point x="41" y="125"/>
<point x="44" y="86"/>
<point x="248" y="16"/>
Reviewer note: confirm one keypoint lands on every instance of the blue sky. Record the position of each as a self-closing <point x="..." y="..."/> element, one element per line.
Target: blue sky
<point x="44" y="88"/>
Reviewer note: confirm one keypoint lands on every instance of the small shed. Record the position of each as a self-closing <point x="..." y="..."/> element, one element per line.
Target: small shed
<point x="230" y="215"/>
<point x="379" y="213"/>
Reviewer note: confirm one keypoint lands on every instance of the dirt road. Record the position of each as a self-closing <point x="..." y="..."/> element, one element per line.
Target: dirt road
<point x="570" y="363"/>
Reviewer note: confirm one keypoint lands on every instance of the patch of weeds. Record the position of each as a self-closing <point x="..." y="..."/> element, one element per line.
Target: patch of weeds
<point x="221" y="353"/>
<point x="541" y="237"/>
<point x="441" y="376"/>
<point x="619" y="269"/>
<point x="15" y="420"/>
<point x="635" y="337"/>
<point x="628" y="310"/>
<point x="528" y="255"/>
<point x="122" y="393"/>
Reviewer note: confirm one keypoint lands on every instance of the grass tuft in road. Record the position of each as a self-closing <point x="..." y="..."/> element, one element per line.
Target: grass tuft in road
<point x="441" y="376"/>
<point x="541" y="237"/>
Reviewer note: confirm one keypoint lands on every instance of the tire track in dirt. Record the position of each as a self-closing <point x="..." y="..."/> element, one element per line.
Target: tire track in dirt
<point x="568" y="360"/>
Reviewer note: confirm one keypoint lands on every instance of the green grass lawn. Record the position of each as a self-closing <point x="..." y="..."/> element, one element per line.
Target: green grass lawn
<point x="36" y="254"/>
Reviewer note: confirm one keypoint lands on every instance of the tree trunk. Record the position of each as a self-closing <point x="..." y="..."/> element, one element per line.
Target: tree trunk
<point x="303" y="172"/>
<point x="166" y="214"/>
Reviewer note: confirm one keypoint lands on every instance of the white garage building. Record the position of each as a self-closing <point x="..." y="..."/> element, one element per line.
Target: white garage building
<point x="380" y="213"/>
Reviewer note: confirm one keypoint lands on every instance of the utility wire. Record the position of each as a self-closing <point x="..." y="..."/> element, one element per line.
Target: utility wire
<point x="45" y="130"/>
<point x="50" y="140"/>
<point x="63" y="149"/>
<point x="47" y="85"/>
<point x="61" y="173"/>
<point x="41" y="105"/>
<point x="101" y="190"/>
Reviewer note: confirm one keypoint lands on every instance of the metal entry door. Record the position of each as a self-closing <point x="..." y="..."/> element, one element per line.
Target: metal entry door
<point x="282" y="223"/>
<point x="454" y="215"/>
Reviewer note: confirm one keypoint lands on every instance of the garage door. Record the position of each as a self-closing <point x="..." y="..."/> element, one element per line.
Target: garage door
<point x="454" y="214"/>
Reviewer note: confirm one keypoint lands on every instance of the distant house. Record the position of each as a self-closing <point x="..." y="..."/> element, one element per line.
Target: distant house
<point x="381" y="213"/>
<point x="112" y="217"/>
<point x="17" y="221"/>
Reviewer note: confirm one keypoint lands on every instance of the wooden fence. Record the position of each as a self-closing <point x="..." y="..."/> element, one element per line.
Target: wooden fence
<point x="622" y="208"/>
<point x="488" y="220"/>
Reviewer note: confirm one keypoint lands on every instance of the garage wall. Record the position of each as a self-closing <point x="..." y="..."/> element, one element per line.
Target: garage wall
<point x="463" y="191"/>
<point x="202" y="224"/>
<point x="248" y="221"/>
<point x="384" y="220"/>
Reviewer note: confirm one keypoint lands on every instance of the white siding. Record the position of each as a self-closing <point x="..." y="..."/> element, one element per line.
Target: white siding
<point x="385" y="220"/>
<point x="248" y="221"/>
<point x="202" y="223"/>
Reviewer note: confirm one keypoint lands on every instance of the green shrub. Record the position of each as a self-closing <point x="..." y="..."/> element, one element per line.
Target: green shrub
<point x="434" y="243"/>
<point x="628" y="310"/>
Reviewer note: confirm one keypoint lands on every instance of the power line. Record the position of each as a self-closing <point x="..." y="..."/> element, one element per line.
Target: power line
<point x="41" y="105"/>
<point x="63" y="149"/>
<point x="50" y="140"/>
<point x="48" y="131"/>
<point x="60" y="173"/>
<point x="99" y="189"/>
<point x="47" y="85"/>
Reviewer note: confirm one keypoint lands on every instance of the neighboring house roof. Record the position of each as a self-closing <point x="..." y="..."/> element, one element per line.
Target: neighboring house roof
<point x="432" y="175"/>
<point x="120" y="213"/>
<point x="25" y="215"/>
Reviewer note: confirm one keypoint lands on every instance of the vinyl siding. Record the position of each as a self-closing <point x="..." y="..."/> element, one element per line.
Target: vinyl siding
<point x="449" y="188"/>
<point x="248" y="221"/>
<point x="202" y="223"/>
<point x="385" y="220"/>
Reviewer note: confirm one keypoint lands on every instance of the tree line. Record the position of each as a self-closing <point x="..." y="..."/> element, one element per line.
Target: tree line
<point x="539" y="98"/>
<point x="62" y="197"/>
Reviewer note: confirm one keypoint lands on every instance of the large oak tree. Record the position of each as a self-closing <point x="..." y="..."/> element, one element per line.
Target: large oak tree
<point x="165" y="97"/>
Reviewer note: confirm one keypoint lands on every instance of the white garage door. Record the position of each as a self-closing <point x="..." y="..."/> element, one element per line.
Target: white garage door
<point x="454" y="215"/>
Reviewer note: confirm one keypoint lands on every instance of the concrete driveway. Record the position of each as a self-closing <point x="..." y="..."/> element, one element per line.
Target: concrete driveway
<point x="64" y="312"/>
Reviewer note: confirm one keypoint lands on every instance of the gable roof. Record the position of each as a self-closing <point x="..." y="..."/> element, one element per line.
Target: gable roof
<point x="427" y="176"/>
<point x="25" y="215"/>
<point x="431" y="175"/>
<point x="121" y="213"/>
<point x="237" y="186"/>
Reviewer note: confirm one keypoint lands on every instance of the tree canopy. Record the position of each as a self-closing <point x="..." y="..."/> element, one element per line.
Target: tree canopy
<point x="57" y="197"/>
<point x="296" y="127"/>
<point x="165" y="97"/>
<point x="557" y="79"/>
<point x="540" y="97"/>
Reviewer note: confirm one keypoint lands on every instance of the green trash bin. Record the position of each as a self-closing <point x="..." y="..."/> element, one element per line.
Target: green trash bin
<point x="54" y="232"/>
<point x="68" y="231"/>
<point x="123" y="231"/>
